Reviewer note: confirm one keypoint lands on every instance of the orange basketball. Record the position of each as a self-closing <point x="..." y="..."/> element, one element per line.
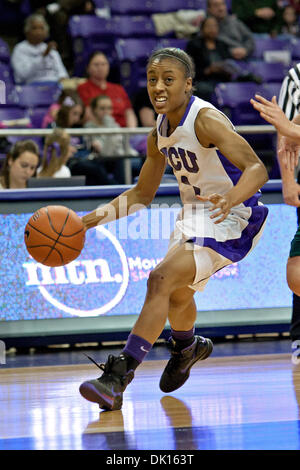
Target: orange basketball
<point x="54" y="235"/>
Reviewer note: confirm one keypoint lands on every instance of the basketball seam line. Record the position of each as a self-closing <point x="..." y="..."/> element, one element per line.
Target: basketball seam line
<point x="53" y="239"/>
<point x="59" y="234"/>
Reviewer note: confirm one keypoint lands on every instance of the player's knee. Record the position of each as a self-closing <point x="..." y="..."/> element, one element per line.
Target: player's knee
<point x="157" y="283"/>
<point x="293" y="274"/>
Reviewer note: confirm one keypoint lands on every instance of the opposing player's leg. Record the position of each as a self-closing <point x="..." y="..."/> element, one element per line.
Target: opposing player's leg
<point x="186" y="348"/>
<point x="293" y="274"/>
<point x="177" y="270"/>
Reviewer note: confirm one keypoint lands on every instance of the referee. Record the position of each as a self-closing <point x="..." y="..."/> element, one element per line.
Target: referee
<point x="289" y="101"/>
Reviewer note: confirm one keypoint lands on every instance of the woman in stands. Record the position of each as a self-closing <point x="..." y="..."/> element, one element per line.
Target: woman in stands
<point x="33" y="60"/>
<point x="70" y="115"/>
<point x="98" y="70"/>
<point x="20" y="164"/>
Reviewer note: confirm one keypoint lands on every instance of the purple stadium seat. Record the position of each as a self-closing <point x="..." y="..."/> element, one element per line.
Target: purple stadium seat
<point x="36" y="116"/>
<point x="274" y="72"/>
<point x="173" y="42"/>
<point x="234" y="100"/>
<point x="37" y="95"/>
<point x="148" y="7"/>
<point x="12" y="97"/>
<point x="4" y="51"/>
<point x="101" y="3"/>
<point x="6" y="73"/>
<point x="133" y="55"/>
<point x="166" y="6"/>
<point x="132" y="7"/>
<point x="86" y="26"/>
<point x="268" y="90"/>
<point x="263" y="45"/>
<point x="11" y="113"/>
<point x="132" y="49"/>
<point x="133" y="26"/>
<point x="295" y="49"/>
<point x="90" y="33"/>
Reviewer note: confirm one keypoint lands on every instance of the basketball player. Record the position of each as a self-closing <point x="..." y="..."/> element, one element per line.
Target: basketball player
<point x="290" y="149"/>
<point x="220" y="222"/>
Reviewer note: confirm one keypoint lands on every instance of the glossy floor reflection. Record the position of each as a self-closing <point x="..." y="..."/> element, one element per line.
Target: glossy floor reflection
<point x="234" y="402"/>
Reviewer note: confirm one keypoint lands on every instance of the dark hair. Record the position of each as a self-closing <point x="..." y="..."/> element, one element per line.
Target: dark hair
<point x="67" y="92"/>
<point x="94" y="101"/>
<point x="92" y="56"/>
<point x="67" y="104"/>
<point x="206" y="20"/>
<point x="14" y="153"/>
<point x="177" y="54"/>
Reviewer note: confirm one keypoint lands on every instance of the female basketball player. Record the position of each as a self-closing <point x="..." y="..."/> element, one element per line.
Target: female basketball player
<point x="220" y="223"/>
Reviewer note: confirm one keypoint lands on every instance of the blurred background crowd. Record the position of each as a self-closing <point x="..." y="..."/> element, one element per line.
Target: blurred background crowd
<point x="81" y="64"/>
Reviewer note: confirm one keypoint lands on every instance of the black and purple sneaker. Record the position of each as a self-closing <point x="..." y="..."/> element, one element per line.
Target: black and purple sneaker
<point x="177" y="370"/>
<point x="108" y="389"/>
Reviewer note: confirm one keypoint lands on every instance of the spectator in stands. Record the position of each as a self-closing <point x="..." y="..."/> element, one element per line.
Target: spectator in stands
<point x="109" y="145"/>
<point x="105" y="145"/>
<point x="296" y="5"/>
<point x="209" y="55"/>
<point x="33" y="60"/>
<point x="58" y="15"/>
<point x="51" y="114"/>
<point x="232" y="31"/>
<point x="57" y="151"/>
<point x="98" y="70"/>
<point x="70" y="115"/>
<point x="290" y="22"/>
<point x="20" y="164"/>
<point x="261" y="16"/>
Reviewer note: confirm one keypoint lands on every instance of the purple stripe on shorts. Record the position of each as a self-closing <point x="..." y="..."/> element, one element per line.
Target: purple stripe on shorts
<point x="237" y="249"/>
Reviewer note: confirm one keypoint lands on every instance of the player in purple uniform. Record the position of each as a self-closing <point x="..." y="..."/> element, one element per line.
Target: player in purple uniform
<point x="221" y="222"/>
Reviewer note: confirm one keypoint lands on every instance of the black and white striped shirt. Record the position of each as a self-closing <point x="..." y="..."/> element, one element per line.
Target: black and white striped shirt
<point x="289" y="96"/>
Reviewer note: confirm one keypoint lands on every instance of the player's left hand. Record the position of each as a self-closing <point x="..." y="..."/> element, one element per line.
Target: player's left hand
<point x="219" y="202"/>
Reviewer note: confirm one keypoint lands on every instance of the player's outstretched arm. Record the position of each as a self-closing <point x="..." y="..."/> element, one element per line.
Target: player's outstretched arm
<point x="137" y="197"/>
<point x="289" y="131"/>
<point x="214" y="129"/>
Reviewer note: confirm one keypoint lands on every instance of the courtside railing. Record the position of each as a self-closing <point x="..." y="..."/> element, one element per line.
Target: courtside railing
<point x="126" y="132"/>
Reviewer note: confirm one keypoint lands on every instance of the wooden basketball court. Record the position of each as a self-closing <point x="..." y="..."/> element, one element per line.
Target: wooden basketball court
<point x="236" y="402"/>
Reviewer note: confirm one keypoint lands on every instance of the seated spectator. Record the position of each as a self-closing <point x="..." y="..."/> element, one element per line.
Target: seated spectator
<point x="58" y="15"/>
<point x="101" y="113"/>
<point x="57" y="151"/>
<point x="296" y="5"/>
<point x="51" y="114"/>
<point x="261" y="16"/>
<point x="232" y="31"/>
<point x="109" y="145"/>
<point x="33" y="60"/>
<point x="20" y="164"/>
<point x="290" y="22"/>
<point x="70" y="115"/>
<point x="98" y="70"/>
<point x="209" y="55"/>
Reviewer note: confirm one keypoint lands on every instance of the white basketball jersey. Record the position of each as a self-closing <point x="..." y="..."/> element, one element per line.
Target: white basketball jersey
<point x="198" y="170"/>
<point x="203" y="171"/>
